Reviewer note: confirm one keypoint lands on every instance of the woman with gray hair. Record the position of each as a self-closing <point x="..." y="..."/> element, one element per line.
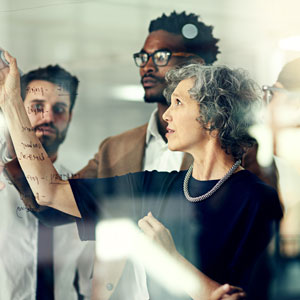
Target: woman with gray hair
<point x="227" y="100"/>
<point x="219" y="216"/>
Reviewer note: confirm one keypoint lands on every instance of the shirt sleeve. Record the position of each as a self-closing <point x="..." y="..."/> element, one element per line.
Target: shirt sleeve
<point x="105" y="198"/>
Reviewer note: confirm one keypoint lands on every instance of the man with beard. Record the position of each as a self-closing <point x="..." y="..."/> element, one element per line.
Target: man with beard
<point x="38" y="262"/>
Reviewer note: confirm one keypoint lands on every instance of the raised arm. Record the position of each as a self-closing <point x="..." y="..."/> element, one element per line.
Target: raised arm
<point x="47" y="186"/>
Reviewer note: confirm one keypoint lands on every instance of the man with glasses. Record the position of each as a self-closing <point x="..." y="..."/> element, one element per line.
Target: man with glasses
<point x="284" y="121"/>
<point x="283" y="105"/>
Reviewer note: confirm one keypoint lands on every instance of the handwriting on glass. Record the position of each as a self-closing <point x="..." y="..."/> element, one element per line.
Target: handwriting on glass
<point x="35" y="90"/>
<point x="28" y="129"/>
<point x="19" y="210"/>
<point x="31" y="145"/>
<point x="62" y="88"/>
<point x="38" y="157"/>
<point x="53" y="178"/>
<point x="36" y="111"/>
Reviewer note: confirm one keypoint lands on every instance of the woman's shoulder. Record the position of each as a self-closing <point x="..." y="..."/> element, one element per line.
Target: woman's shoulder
<point x="259" y="193"/>
<point x="247" y="178"/>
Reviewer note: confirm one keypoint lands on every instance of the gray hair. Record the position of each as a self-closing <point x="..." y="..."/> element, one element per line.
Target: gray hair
<point x="227" y="101"/>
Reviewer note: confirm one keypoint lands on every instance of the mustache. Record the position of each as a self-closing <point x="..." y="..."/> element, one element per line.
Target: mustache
<point x="51" y="125"/>
<point x="158" y="79"/>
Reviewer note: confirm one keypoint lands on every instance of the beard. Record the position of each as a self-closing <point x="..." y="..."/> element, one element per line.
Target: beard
<point x="51" y="144"/>
<point x="156" y="99"/>
<point x="155" y="94"/>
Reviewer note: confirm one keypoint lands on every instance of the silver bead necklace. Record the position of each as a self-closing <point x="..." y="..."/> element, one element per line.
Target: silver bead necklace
<point x="214" y="188"/>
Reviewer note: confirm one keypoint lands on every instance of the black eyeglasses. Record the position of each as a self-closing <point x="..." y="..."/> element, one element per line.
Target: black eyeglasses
<point x="160" y="57"/>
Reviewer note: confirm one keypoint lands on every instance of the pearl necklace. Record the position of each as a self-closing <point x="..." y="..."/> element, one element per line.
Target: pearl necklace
<point x="214" y="188"/>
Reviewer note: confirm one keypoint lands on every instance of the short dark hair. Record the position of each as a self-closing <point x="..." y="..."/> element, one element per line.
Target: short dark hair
<point x="56" y="75"/>
<point x="203" y="44"/>
<point x="227" y="101"/>
<point x="289" y="76"/>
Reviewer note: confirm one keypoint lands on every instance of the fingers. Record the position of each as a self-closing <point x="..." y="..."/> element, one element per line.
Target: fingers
<point x="12" y="63"/>
<point x="3" y="73"/>
<point x="220" y="291"/>
<point x="234" y="289"/>
<point x="235" y="296"/>
<point x="149" y="224"/>
<point x="228" y="292"/>
<point x="145" y="226"/>
<point x="157" y="232"/>
<point x="154" y="222"/>
<point x="152" y="227"/>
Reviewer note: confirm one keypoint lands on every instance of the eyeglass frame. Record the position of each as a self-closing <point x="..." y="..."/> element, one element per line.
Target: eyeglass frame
<point x="175" y="54"/>
<point x="270" y="89"/>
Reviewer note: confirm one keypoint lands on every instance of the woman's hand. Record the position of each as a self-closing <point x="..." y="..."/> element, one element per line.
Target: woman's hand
<point x="228" y="292"/>
<point x="157" y="232"/>
<point x="161" y="235"/>
<point x="9" y="80"/>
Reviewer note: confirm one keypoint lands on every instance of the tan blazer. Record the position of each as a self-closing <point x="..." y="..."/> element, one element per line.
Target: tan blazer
<point x="122" y="154"/>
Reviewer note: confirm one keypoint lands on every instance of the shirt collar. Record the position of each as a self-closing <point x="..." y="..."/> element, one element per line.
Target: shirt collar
<point x="152" y="130"/>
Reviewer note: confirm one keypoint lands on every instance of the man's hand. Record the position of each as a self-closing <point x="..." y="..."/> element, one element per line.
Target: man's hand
<point x="228" y="292"/>
<point x="9" y="80"/>
<point x="157" y="232"/>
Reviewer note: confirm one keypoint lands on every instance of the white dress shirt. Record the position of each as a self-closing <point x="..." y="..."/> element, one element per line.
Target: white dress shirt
<point x="18" y="251"/>
<point x="157" y="155"/>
